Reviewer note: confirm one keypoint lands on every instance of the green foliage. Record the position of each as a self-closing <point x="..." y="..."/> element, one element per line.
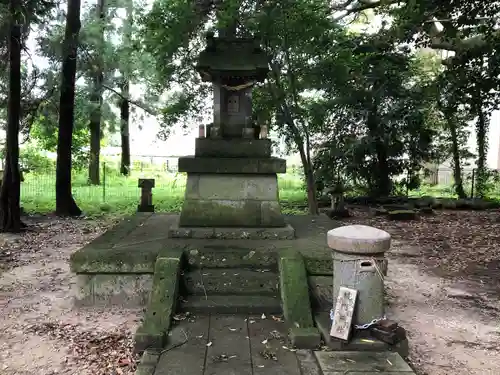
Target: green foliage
<point x="32" y="160"/>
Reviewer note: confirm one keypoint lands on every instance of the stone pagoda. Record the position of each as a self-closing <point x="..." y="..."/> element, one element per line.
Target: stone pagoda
<point x="232" y="178"/>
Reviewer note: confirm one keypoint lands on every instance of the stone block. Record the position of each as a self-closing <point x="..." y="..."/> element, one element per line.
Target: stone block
<point x="286" y="232"/>
<point x="162" y="304"/>
<point x="358" y="239"/>
<point x="220" y="213"/>
<point x="294" y="290"/>
<point x="230" y="148"/>
<point x="230" y="282"/>
<point x="232" y="187"/>
<point x="231" y="213"/>
<point x="193" y="164"/>
<point x="124" y="290"/>
<point x="305" y="338"/>
<point x="352" y="362"/>
<point x="271" y="214"/>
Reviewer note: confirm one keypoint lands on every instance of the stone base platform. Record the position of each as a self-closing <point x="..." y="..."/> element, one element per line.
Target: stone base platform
<point x="139" y="263"/>
<point x="117" y="268"/>
<point x="285" y="233"/>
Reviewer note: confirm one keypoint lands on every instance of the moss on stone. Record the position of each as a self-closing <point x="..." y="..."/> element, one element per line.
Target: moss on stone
<point x="305" y="337"/>
<point x="119" y="231"/>
<point x="294" y="290"/>
<point x="162" y="303"/>
<point x="131" y="259"/>
<point x="319" y="266"/>
<point x="230" y="257"/>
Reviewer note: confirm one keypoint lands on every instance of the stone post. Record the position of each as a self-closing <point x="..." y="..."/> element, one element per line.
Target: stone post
<point x="359" y="263"/>
<point x="146" y="185"/>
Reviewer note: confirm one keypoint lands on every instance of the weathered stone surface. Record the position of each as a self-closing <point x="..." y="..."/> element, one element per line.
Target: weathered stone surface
<point x="162" y="304"/>
<point x="232" y="187"/>
<point x="247" y="233"/>
<point x="124" y="290"/>
<point x="136" y="252"/>
<point x="188" y="358"/>
<point x="251" y="148"/>
<point x="192" y="164"/>
<point x="230" y="353"/>
<point x="234" y="281"/>
<point x="307" y="362"/>
<point x="267" y="338"/>
<point x="340" y="362"/>
<point x="231" y="305"/>
<point x="148" y="362"/>
<point x="305" y="338"/>
<point x="229" y="213"/>
<point x="363" y="273"/>
<point x="115" y="234"/>
<point x="359" y="239"/>
<point x="231" y="257"/>
<point x="319" y="266"/>
<point x="321" y="292"/>
<point x="294" y="290"/>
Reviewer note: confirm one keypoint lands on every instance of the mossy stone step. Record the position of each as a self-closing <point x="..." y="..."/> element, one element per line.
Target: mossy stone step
<point x="231" y="281"/>
<point x="226" y="256"/>
<point x="232" y="305"/>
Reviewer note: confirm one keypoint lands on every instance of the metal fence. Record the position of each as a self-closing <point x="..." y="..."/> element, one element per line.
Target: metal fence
<point x="114" y="188"/>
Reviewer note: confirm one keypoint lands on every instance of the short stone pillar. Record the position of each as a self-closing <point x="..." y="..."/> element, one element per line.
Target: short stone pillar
<point x="359" y="263"/>
<point x="146" y="185"/>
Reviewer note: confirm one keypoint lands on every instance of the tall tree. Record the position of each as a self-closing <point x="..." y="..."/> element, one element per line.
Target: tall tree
<point x="125" y="91"/>
<point x="96" y="96"/>
<point x="10" y="212"/>
<point x="65" y="203"/>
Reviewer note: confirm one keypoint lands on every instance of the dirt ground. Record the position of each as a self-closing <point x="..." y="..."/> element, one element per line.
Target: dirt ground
<point x="443" y="287"/>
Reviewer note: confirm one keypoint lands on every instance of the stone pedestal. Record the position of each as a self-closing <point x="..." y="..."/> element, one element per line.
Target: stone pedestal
<point x="232" y="183"/>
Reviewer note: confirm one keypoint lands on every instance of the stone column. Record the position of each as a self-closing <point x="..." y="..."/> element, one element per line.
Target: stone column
<point x="146" y="185"/>
<point x="215" y="129"/>
<point x="359" y="263"/>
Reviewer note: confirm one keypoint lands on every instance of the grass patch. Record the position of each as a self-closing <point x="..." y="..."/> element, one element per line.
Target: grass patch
<point x="118" y="195"/>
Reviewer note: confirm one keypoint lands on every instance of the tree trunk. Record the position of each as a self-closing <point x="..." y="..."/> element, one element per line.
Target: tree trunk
<point x="96" y="98"/>
<point x="312" y="200"/>
<point x="10" y="208"/>
<point x="124" y="130"/>
<point x="125" y="91"/>
<point x="65" y="204"/>
<point x="455" y="152"/>
<point x="481" y="130"/>
<point x="381" y="176"/>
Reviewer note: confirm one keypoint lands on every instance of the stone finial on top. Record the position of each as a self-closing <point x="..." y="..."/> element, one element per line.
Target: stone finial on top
<point x="358" y="239"/>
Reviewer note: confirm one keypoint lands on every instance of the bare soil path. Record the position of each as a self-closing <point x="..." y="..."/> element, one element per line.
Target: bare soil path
<point x="443" y="287"/>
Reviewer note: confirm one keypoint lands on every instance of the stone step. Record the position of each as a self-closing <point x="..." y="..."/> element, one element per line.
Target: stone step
<point x="229" y="255"/>
<point x="231" y="281"/>
<point x="232" y="305"/>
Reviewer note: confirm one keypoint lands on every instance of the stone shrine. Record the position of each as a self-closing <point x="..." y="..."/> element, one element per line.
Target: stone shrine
<point x="232" y="178"/>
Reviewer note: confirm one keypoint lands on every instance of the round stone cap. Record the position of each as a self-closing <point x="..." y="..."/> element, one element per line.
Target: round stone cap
<point x="359" y="239"/>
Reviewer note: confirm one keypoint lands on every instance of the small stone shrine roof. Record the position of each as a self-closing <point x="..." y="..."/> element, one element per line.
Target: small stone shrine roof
<point x="232" y="60"/>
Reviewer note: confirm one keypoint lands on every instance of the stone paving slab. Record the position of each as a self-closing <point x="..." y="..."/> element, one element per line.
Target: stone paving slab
<point x="241" y="345"/>
<point x="185" y="353"/>
<point x="267" y="338"/>
<point x="361" y="363"/>
<point x="229" y="352"/>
